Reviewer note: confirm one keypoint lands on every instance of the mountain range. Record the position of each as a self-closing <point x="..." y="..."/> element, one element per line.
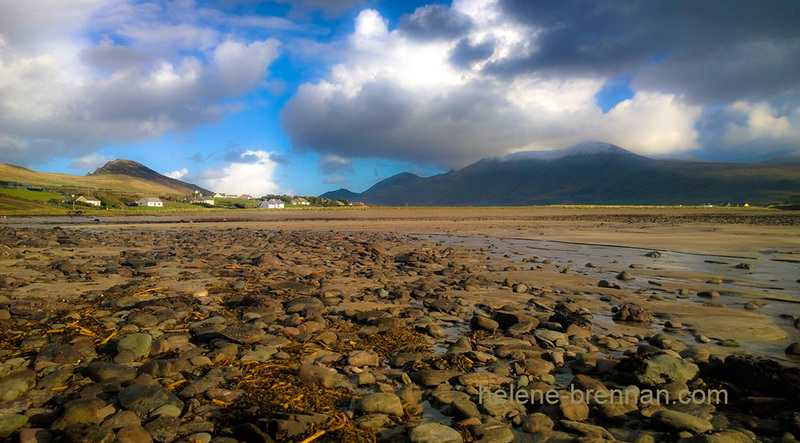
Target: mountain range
<point x="587" y="173"/>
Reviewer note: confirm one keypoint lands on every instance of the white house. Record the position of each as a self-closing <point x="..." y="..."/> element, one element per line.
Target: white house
<point x="152" y="202"/>
<point x="272" y="203"/>
<point x="300" y="201"/>
<point x="88" y="201"/>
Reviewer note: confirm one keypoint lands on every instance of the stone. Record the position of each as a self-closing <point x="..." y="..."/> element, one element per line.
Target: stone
<point x="726" y="436"/>
<point x="608" y="284"/>
<point x="163" y="429"/>
<point x="482" y="379"/>
<point x="143" y="320"/>
<point x="793" y="349"/>
<point x="481" y="323"/>
<point x="34" y="435"/>
<point x="573" y="410"/>
<point x="244" y="333"/>
<point x="434" y="433"/>
<point x="382" y="403"/>
<point x="362" y="358"/>
<point x="537" y="422"/>
<point x="101" y="371"/>
<point x="10" y="423"/>
<point x="586" y="429"/>
<point x="681" y="421"/>
<point x="84" y="410"/>
<point x="659" y="368"/>
<point x="520" y="288"/>
<point x="708" y="294"/>
<point x="142" y="399"/>
<point x="120" y="420"/>
<point x="431" y="378"/>
<point x="133" y="434"/>
<point x="13" y="389"/>
<point x="138" y="343"/>
<point x="633" y="313"/>
<point x="625" y="276"/>
<point x="85" y="433"/>
<point x="310" y="374"/>
<point x="465" y="408"/>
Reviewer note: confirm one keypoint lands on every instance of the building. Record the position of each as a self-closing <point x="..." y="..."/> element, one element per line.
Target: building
<point x="272" y="203"/>
<point x="152" y="202"/>
<point x="88" y="201"/>
<point x="300" y="201"/>
<point x="199" y="199"/>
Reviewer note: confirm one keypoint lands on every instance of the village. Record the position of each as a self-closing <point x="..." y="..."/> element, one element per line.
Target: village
<point x="218" y="200"/>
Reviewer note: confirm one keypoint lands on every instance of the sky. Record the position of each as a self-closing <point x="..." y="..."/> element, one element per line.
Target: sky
<point x="300" y="97"/>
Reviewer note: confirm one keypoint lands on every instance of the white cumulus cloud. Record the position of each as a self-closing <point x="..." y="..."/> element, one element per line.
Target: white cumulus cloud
<point x="252" y="175"/>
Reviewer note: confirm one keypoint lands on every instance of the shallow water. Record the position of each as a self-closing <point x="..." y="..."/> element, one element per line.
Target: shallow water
<point x="777" y="280"/>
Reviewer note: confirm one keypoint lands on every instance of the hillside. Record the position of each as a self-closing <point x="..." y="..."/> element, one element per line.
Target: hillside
<point x="590" y="173"/>
<point x="122" y="176"/>
<point x="131" y="168"/>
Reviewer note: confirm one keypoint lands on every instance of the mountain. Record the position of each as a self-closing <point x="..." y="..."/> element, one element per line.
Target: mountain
<point x="589" y="173"/>
<point x="339" y="194"/>
<point x="134" y="169"/>
<point x="118" y="176"/>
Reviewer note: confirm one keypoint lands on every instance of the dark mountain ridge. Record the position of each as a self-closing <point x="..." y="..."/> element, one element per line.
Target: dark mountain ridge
<point x="590" y="173"/>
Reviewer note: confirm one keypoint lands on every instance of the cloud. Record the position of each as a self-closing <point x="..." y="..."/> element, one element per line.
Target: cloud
<point x="242" y="177"/>
<point x="405" y="99"/>
<point x="334" y="180"/>
<point x="89" y="163"/>
<point x="518" y="75"/>
<point x="65" y="96"/>
<point x="178" y="174"/>
<point x="330" y="164"/>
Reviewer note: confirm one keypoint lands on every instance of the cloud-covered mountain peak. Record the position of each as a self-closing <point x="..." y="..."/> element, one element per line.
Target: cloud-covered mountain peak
<point x="581" y="149"/>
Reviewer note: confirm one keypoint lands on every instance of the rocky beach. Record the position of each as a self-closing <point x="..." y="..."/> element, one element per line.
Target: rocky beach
<point x="440" y="325"/>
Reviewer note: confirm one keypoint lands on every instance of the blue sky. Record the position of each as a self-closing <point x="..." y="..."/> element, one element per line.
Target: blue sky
<point x="306" y="96"/>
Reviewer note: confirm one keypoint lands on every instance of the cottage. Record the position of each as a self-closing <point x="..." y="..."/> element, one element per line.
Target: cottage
<point x="152" y="202"/>
<point x="300" y="201"/>
<point x="88" y="201"/>
<point x="200" y="199"/>
<point x="272" y="203"/>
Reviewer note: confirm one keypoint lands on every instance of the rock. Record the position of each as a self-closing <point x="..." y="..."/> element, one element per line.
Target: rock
<point x="84" y="410"/>
<point x="138" y="343"/>
<point x="382" y="403"/>
<point x="520" y="288"/>
<point x="633" y="313"/>
<point x="85" y="433"/>
<point x="657" y="369"/>
<point x="245" y="333"/>
<point x="34" y="435"/>
<point x="101" y="371"/>
<point x="431" y="378"/>
<point x="625" y="276"/>
<point x="121" y="419"/>
<point x="143" y="320"/>
<point x="482" y="379"/>
<point x="133" y="434"/>
<point x="362" y="358"/>
<point x="10" y="423"/>
<point x="714" y="281"/>
<point x="793" y="349"/>
<point x="537" y="422"/>
<point x="573" y="410"/>
<point x="142" y="399"/>
<point x="586" y="429"/>
<point x="726" y="436"/>
<point x="460" y="346"/>
<point x="608" y="284"/>
<point x="434" y="433"/>
<point x="481" y="323"/>
<point x="708" y="294"/>
<point x="310" y="374"/>
<point x="465" y="408"/>
<point x="680" y="421"/>
<point x="13" y="389"/>
<point x="163" y="429"/>
<point x="653" y="254"/>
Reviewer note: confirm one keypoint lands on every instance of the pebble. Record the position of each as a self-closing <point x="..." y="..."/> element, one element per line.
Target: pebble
<point x="434" y="433"/>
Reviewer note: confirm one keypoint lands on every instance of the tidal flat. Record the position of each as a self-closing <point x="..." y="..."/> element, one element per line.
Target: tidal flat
<point x="402" y="324"/>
